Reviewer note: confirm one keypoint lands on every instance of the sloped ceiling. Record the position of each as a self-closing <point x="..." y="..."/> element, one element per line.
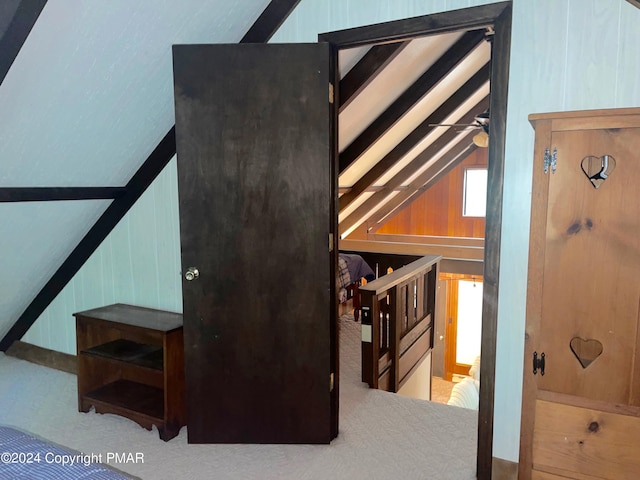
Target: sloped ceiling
<point x="389" y="145"/>
<point x="87" y="99"/>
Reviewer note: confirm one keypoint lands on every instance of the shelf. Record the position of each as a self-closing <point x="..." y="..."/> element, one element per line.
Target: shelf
<point x="132" y="396"/>
<point x="131" y="363"/>
<point x="130" y="352"/>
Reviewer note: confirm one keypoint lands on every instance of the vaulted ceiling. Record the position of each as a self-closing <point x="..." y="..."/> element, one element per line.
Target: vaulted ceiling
<point x="86" y="123"/>
<point x="392" y="96"/>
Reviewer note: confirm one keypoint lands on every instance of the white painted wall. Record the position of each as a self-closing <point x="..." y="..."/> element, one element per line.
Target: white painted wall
<point x="418" y="385"/>
<point x="566" y="55"/>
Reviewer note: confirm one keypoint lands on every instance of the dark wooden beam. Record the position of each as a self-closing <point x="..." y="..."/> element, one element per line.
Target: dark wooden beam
<point x="370" y="189"/>
<point x="45" y="194"/>
<point x="421" y="184"/>
<point x="427" y="81"/>
<point x="261" y="31"/>
<point x="109" y="219"/>
<point x="635" y="3"/>
<point x="459" y="155"/>
<point x="269" y="21"/>
<point x="412" y="167"/>
<point x="363" y="72"/>
<point x="419" y="133"/>
<point x="17" y="32"/>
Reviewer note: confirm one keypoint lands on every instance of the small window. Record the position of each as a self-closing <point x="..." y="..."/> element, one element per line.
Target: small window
<point x="475" y="192"/>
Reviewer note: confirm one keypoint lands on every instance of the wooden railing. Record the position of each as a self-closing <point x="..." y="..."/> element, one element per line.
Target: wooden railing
<point x="398" y="313"/>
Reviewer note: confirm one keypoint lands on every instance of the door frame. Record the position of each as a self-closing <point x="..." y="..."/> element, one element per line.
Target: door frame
<point x="452" y="282"/>
<point x="498" y="16"/>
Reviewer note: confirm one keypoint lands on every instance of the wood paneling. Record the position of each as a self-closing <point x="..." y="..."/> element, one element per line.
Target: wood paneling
<point x="438" y="211"/>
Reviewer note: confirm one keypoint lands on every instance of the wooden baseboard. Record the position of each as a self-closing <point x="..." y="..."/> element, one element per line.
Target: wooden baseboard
<point x="43" y="356"/>
<point x="504" y="469"/>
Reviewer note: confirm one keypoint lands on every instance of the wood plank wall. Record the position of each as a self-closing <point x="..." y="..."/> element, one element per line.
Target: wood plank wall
<point x="438" y="211"/>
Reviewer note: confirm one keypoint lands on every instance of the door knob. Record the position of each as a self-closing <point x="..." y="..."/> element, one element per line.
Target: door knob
<point x="192" y="273"/>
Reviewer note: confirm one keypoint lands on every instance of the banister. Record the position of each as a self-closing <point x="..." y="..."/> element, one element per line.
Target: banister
<point x="387" y="282"/>
<point x="398" y="312"/>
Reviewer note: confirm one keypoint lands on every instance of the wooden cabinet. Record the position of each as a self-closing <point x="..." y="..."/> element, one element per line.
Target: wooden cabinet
<point x="581" y="396"/>
<point x="131" y="363"/>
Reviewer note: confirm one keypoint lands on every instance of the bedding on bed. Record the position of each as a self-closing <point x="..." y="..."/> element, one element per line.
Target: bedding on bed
<point x="23" y="455"/>
<point x="343" y="280"/>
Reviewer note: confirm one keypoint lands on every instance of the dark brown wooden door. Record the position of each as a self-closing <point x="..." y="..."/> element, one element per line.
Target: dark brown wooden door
<point x="257" y="187"/>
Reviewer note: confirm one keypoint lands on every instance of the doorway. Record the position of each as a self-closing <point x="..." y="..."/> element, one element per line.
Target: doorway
<point x="498" y="17"/>
<point x="463" y="323"/>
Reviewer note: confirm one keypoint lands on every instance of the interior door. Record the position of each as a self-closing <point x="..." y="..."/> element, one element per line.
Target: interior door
<point x="581" y="406"/>
<point x="257" y="187"/>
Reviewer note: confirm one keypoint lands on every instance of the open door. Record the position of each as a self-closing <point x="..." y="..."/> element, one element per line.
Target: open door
<point x="257" y="186"/>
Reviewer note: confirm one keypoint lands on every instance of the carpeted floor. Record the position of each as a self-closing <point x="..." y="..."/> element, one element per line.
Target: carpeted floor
<point x="440" y="390"/>
<point x="382" y="435"/>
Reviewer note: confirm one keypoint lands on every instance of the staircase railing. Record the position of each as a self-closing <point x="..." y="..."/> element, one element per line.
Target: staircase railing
<point x="398" y="313"/>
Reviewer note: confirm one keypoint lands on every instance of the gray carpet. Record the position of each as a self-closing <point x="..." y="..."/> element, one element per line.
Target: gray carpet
<point x="382" y="436"/>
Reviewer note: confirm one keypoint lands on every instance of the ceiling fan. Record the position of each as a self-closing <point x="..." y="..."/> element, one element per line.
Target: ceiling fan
<point x="480" y="121"/>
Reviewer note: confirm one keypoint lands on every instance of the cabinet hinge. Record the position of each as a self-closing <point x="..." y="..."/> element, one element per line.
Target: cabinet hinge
<point x="550" y="160"/>
<point x="330" y="92"/>
<point x="538" y="363"/>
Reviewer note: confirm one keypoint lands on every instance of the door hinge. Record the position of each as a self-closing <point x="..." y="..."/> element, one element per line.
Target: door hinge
<point x="331" y="242"/>
<point x="330" y="92"/>
<point x="550" y="160"/>
<point x="331" y="382"/>
<point x="538" y="363"/>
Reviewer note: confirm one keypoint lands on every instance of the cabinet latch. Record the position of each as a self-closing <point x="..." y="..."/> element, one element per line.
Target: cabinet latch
<point x="538" y="363"/>
<point x="550" y="160"/>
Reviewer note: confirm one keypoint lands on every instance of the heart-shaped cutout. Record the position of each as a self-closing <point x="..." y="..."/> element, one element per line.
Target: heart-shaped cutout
<point x="598" y="169"/>
<point x="586" y="351"/>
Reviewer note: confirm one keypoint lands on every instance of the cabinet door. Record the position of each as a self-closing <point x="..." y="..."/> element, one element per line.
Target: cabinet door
<point x="583" y="304"/>
<point x="257" y="187"/>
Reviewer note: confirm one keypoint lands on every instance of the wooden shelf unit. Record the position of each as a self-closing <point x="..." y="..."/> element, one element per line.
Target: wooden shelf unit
<point x="131" y="363"/>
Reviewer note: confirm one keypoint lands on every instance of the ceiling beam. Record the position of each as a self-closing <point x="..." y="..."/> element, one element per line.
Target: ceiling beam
<point x="420" y="132"/>
<point x="261" y="31"/>
<point x="363" y="72"/>
<point x="635" y="3"/>
<point x="425" y="181"/>
<point x="427" y="81"/>
<point x="107" y="221"/>
<point x="269" y="21"/>
<point x="411" y="168"/>
<point x="45" y="194"/>
<point x="375" y="209"/>
<point x="24" y="18"/>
